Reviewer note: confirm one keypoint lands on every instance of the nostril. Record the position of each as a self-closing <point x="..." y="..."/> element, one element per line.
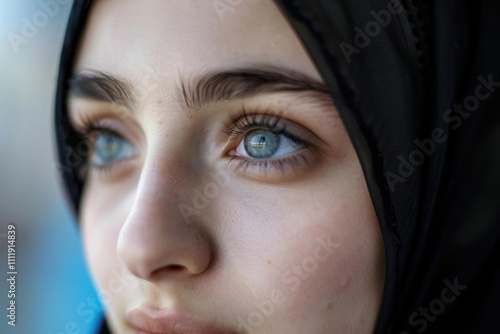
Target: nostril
<point x="172" y="269"/>
<point x="176" y="267"/>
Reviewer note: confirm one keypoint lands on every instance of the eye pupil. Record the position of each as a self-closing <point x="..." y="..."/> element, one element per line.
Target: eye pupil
<point x="261" y="143"/>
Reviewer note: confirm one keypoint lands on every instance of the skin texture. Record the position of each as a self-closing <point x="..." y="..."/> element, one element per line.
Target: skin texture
<point x="261" y="233"/>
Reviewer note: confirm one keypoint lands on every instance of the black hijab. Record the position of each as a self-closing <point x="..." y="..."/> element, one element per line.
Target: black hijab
<point x="416" y="83"/>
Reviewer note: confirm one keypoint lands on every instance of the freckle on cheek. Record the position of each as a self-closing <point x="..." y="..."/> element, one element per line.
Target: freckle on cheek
<point x="342" y="281"/>
<point x="342" y="277"/>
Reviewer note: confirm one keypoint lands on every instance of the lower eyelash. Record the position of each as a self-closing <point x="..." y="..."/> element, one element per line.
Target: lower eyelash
<point x="87" y="167"/>
<point x="283" y="165"/>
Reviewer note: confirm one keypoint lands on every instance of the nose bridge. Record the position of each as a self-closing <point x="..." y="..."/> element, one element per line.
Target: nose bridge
<point x="155" y="237"/>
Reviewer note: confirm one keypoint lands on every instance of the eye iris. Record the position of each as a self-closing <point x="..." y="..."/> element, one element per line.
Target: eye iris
<point x="261" y="143"/>
<point x="108" y="147"/>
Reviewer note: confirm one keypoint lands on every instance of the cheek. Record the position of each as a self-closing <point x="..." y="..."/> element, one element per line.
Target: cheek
<point x="101" y="222"/>
<point x="332" y="276"/>
<point x="320" y="250"/>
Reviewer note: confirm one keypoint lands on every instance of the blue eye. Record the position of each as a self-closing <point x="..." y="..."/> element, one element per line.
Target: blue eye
<point x="110" y="148"/>
<point x="266" y="144"/>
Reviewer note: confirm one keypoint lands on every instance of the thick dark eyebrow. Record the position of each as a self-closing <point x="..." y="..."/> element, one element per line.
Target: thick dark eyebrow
<point x="96" y="85"/>
<point x="205" y="88"/>
<point x="241" y="83"/>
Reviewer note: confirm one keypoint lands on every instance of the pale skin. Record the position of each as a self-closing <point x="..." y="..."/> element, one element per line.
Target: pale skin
<point x="303" y="237"/>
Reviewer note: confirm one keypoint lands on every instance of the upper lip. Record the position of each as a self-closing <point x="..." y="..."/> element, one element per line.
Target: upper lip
<point x="157" y="321"/>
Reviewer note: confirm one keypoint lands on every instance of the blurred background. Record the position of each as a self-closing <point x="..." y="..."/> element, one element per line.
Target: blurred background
<point x="54" y="294"/>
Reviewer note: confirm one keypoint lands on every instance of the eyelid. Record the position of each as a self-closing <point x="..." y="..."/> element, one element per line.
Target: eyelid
<point x="95" y="130"/>
<point x="122" y="127"/>
<point x="81" y="112"/>
<point x="247" y="120"/>
<point x="289" y="167"/>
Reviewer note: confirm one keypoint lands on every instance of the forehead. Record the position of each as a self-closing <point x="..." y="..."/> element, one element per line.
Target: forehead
<point x="131" y="38"/>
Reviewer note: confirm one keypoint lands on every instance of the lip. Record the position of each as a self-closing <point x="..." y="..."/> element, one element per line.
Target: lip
<point x="147" y="320"/>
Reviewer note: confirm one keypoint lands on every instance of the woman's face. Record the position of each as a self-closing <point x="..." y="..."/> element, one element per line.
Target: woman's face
<point x="222" y="190"/>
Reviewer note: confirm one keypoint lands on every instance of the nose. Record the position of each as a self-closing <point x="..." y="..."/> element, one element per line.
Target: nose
<point x="155" y="240"/>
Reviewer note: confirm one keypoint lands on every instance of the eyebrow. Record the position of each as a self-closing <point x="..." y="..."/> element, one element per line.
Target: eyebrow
<point x="99" y="86"/>
<point x="209" y="87"/>
<point x="242" y="83"/>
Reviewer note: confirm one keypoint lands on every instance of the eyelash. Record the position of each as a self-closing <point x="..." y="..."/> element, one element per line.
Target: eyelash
<point x="243" y="122"/>
<point x="238" y="126"/>
<point x="89" y="127"/>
